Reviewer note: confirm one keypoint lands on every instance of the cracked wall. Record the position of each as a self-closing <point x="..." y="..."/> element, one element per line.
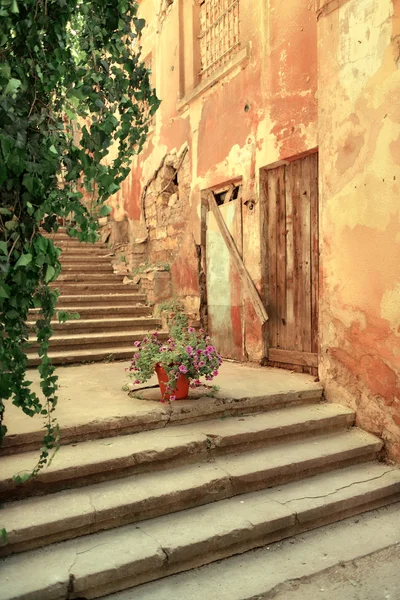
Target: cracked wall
<point x="261" y="108"/>
<point x="359" y="132"/>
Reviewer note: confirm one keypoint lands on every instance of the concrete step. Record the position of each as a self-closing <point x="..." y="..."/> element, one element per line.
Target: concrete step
<point x="65" y="357"/>
<point x="98" y="277"/>
<point x="74" y="287"/>
<point x="69" y="267"/>
<point x="103" y="460"/>
<point x="65" y="240"/>
<point x="129" y="297"/>
<point x="96" y="312"/>
<point x="83" y="326"/>
<point x="107" y="287"/>
<point x="83" y="249"/>
<point x="351" y="559"/>
<point x="107" y="562"/>
<point x="72" y="259"/>
<point x="36" y="522"/>
<point x="83" y="341"/>
<point x="268" y="395"/>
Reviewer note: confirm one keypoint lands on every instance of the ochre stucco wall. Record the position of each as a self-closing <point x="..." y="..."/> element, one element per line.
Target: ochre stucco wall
<point x="260" y="112"/>
<point x="359" y="145"/>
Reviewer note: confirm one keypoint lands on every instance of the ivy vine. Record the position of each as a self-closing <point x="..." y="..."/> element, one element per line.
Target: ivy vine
<point x="72" y="86"/>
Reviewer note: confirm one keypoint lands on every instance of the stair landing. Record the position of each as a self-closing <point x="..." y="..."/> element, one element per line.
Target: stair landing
<point x="93" y="404"/>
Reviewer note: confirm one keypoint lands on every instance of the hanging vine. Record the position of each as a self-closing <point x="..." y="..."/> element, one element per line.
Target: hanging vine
<point x="72" y="86"/>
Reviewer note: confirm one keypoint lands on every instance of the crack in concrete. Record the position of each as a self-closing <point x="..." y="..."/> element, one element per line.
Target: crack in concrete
<point x="90" y="499"/>
<point x="71" y="580"/>
<point x="166" y="555"/>
<point x="230" y="480"/>
<point x="335" y="491"/>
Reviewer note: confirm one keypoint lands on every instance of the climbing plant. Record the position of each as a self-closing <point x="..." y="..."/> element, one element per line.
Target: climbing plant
<point x="75" y="104"/>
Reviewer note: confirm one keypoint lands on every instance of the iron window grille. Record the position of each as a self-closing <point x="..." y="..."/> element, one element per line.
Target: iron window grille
<point x="219" y="33"/>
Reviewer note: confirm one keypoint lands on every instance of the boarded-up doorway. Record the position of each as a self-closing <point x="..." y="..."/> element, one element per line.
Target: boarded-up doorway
<point x="291" y="192"/>
<point x="224" y="290"/>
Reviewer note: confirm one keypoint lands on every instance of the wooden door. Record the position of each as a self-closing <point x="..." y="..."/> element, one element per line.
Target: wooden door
<point x="292" y="264"/>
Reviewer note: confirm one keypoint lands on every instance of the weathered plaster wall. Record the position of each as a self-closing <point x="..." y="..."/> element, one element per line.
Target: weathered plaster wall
<point x="258" y="112"/>
<point x="359" y="132"/>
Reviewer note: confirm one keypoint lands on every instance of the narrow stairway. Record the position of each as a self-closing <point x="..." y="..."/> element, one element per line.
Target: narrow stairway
<point x="221" y="478"/>
<point x="112" y="315"/>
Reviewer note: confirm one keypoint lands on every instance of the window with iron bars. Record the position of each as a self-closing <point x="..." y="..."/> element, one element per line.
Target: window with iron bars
<point x="219" y="33"/>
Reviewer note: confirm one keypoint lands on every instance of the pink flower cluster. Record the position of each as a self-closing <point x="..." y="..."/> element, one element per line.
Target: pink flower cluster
<point x="190" y="353"/>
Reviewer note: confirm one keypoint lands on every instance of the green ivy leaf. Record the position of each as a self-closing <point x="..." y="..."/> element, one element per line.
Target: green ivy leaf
<point x="50" y="272"/>
<point x="4" y="535"/>
<point x="4" y="290"/>
<point x="24" y="260"/>
<point x="4" y="248"/>
<point x="12" y="87"/>
<point x="104" y="210"/>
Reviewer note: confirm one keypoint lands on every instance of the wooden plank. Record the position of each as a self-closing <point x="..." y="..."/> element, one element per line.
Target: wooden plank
<point x="281" y="258"/>
<point x="306" y="254"/>
<point x="306" y="359"/>
<point x="238" y="262"/>
<point x="271" y="242"/>
<point x="290" y="330"/>
<point x="314" y="251"/>
<point x="297" y="255"/>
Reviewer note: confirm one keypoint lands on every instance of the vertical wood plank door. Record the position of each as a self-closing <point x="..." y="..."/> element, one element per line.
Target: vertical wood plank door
<point x="292" y="263"/>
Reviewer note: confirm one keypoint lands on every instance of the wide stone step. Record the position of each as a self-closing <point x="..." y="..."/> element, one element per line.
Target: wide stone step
<point x="82" y="341"/>
<point x="64" y="515"/>
<point x="79" y="277"/>
<point x="128" y="297"/>
<point x="86" y="355"/>
<point x="68" y="259"/>
<point x="338" y="556"/>
<point x="69" y="267"/>
<point x="106" y="562"/>
<point x="134" y="415"/>
<point x="132" y="325"/>
<point x="103" y="460"/>
<point x="96" y="312"/>
<point x="107" y="287"/>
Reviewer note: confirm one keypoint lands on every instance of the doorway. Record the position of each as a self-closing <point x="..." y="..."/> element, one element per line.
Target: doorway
<point x="292" y="262"/>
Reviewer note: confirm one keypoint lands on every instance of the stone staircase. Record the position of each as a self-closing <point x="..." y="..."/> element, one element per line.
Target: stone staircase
<point x="220" y="478"/>
<point x="112" y="315"/>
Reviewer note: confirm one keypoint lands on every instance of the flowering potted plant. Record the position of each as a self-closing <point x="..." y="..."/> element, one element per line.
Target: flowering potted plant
<point x="185" y="357"/>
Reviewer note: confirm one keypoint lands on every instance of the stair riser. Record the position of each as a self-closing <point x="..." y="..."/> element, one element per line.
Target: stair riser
<point x="100" y="313"/>
<point x="135" y="424"/>
<point x="194" y="454"/>
<point x="208" y="554"/>
<point x="79" y="268"/>
<point x="68" y="260"/>
<point x="77" y="328"/>
<point x="74" y="528"/>
<point x="68" y="344"/>
<point x="88" y="278"/>
<point x="69" y="288"/>
<point x="106" y="355"/>
<point x="102" y="300"/>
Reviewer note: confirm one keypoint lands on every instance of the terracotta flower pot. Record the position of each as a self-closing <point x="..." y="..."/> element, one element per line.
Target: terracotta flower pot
<point x="181" y="390"/>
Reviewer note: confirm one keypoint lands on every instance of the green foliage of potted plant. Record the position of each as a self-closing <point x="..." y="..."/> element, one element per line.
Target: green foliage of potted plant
<point x="185" y="357"/>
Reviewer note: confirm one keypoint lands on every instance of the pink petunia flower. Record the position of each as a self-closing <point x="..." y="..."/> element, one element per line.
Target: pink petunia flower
<point x="183" y="369"/>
